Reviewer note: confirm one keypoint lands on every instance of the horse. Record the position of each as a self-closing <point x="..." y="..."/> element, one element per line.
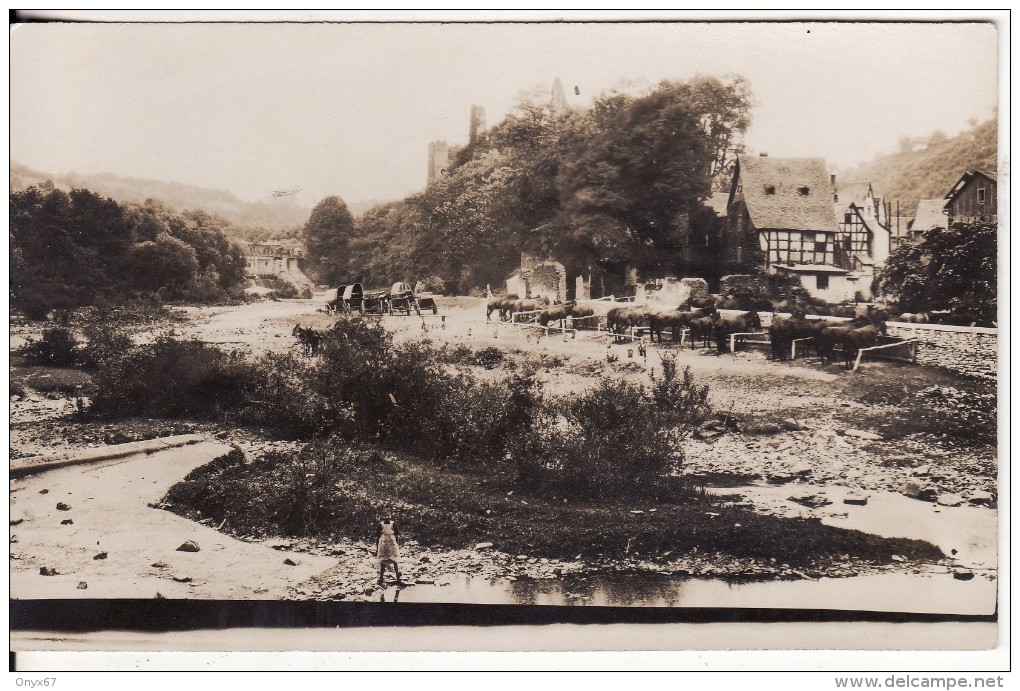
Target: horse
<point x="738" y="324"/>
<point x="914" y="318"/>
<point x="782" y="331"/>
<point x="863" y="337"/>
<point x="554" y="313"/>
<point x="829" y="335"/>
<point x="309" y="338"/>
<point x="702" y="328"/>
<point x="512" y="307"/>
<point x="676" y="320"/>
<point x="619" y="319"/>
<point x="580" y="316"/>
<point x="499" y="305"/>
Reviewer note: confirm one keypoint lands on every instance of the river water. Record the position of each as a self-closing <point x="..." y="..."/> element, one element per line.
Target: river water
<point x="970" y="531"/>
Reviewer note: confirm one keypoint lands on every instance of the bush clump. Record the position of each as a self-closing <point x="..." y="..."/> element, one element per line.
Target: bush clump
<point x="58" y="348"/>
<point x="619" y="439"/>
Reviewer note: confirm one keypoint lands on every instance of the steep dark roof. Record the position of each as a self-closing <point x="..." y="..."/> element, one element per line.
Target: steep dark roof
<point x="787" y="208"/>
<point x="966" y="178"/>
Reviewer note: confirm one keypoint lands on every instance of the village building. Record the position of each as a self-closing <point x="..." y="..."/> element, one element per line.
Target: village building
<point x="930" y="214"/>
<point x="283" y="259"/>
<point x="863" y="221"/>
<point x="899" y="231"/>
<point x="973" y="198"/>
<point x="780" y="220"/>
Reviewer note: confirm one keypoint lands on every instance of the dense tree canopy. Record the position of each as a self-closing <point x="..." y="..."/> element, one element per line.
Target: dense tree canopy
<point x="949" y="269"/>
<point x="77" y="248"/>
<point x="621" y="183"/>
<point x="327" y="236"/>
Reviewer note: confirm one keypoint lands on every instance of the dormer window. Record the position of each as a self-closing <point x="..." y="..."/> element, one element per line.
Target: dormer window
<point x="803" y="191"/>
<point x="770" y="189"/>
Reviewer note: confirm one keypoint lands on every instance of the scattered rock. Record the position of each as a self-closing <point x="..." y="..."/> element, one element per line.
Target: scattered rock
<point x="915" y="490"/>
<point x="67" y="521"/>
<point x="101" y="555"/>
<point x="159" y="596"/>
<point x="483" y="545"/>
<point x="801" y="469"/>
<point x="189" y="546"/>
<point x="159" y="564"/>
<point x="922" y="470"/>
<point x="897" y="557"/>
<point x="290" y="562"/>
<point x="856" y="499"/>
<point x="17" y="521"/>
<point x="424" y="581"/>
<point x="811" y="500"/>
<point x="779" y="479"/>
<point x="47" y="571"/>
<point x="82" y="585"/>
<point x="980" y="498"/>
<point x="950" y="499"/>
<point x="14" y="539"/>
<point x="860" y="434"/>
<point x="181" y="578"/>
<point x="61" y="506"/>
<point x="963" y="574"/>
<point x="44" y="491"/>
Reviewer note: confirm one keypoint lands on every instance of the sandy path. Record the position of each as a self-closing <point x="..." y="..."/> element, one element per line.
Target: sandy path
<point x="110" y="514"/>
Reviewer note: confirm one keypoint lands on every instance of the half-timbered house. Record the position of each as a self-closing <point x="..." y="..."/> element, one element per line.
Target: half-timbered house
<point x="780" y="219"/>
<point x="863" y="221"/>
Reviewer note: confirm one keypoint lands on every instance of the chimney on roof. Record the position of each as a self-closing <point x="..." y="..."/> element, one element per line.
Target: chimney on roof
<point x="764" y="154"/>
<point x="832" y="179"/>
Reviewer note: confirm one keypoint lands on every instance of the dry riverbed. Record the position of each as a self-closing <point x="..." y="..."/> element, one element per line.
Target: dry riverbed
<point x="796" y="426"/>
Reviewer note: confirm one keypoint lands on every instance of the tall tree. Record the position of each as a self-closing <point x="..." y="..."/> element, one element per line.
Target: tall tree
<point x="948" y="269"/>
<point x="327" y="236"/>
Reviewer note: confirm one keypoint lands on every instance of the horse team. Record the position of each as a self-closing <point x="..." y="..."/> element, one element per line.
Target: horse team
<point x="827" y="335"/>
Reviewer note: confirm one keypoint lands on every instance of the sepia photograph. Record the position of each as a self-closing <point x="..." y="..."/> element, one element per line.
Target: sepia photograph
<point x="506" y="335"/>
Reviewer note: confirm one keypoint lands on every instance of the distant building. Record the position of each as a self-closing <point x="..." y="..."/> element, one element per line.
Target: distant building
<point x="440" y="157"/>
<point x="973" y="198"/>
<point x="930" y="214"/>
<point x="780" y="220"/>
<point x="276" y="259"/>
<point x="899" y="231"/>
<point x="477" y="124"/>
<point x="862" y="218"/>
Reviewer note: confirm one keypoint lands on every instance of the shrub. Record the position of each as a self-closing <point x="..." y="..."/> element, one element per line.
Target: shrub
<point x="58" y="348"/>
<point x="620" y="439"/>
<point x="171" y="378"/>
<point x="103" y="344"/>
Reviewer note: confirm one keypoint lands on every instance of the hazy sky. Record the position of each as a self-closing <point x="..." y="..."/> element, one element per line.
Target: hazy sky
<point x="350" y="109"/>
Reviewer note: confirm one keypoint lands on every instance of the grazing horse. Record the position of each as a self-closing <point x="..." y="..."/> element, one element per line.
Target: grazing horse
<point x="863" y="337"/>
<point x="580" y="316"/>
<point x="739" y="324"/>
<point x="512" y="307"/>
<point x="309" y="338"/>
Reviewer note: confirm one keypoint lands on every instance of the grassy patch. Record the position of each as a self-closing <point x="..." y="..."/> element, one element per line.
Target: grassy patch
<point x="335" y="490"/>
<point x="63" y="380"/>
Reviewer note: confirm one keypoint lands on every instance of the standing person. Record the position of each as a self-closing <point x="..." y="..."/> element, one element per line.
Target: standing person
<point x="387" y="551"/>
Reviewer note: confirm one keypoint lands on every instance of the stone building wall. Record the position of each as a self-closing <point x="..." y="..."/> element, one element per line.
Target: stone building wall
<point x="739" y="282"/>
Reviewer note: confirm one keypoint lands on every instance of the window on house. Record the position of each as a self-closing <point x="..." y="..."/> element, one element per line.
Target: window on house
<point x="770" y="189"/>
<point x="803" y="191"/>
<point x="847" y="243"/>
<point x="820" y="247"/>
<point x="822" y="281"/>
<point x="981" y="195"/>
<point x="740" y="254"/>
<point x="848" y="217"/>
